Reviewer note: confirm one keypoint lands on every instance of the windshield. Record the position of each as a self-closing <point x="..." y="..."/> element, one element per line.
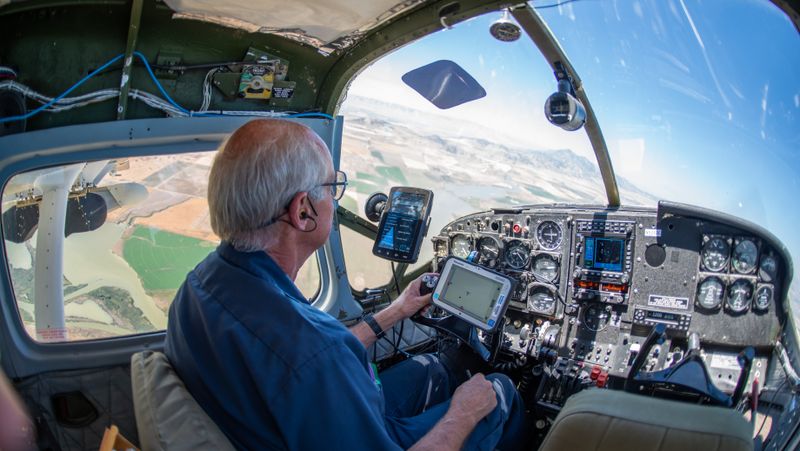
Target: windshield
<point x="496" y="151"/>
<point x="698" y="103"/>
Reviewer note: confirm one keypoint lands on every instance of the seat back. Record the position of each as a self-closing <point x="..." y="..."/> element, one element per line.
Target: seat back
<point x="608" y="420"/>
<point x="167" y="416"/>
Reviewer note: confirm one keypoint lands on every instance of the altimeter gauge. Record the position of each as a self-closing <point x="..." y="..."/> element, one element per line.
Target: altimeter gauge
<point x="715" y="254"/>
<point x="740" y="293"/>
<point x="710" y="293"/>
<point x="460" y="246"/>
<point x="545" y="267"/>
<point x="745" y="256"/>
<point x="549" y="235"/>
<point x="516" y="255"/>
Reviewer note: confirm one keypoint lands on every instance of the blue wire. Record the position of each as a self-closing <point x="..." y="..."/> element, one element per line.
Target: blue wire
<point x="155" y="80"/>
<point x="64" y="94"/>
<point x="326" y="116"/>
<point x="161" y="88"/>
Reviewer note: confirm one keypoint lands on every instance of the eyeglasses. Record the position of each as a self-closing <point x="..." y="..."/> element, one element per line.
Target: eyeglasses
<point x="337" y="187"/>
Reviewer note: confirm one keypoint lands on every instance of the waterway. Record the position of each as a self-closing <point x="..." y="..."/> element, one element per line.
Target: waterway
<point x="88" y="259"/>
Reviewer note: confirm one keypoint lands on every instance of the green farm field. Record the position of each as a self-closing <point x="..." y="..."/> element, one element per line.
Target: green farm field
<point x="162" y="259"/>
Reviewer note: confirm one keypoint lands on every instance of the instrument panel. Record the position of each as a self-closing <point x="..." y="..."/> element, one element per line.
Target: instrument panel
<point x="598" y="279"/>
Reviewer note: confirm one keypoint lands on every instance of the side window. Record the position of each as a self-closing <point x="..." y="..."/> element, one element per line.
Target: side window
<point x="364" y="270"/>
<point x="133" y="229"/>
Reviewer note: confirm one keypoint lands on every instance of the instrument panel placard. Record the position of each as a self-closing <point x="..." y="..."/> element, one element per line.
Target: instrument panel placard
<point x="673" y="302"/>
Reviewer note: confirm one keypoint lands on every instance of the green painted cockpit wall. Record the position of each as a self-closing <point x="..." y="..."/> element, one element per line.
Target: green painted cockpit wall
<point x="55" y="44"/>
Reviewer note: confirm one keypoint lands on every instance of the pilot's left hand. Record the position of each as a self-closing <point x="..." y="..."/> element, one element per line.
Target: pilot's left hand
<point x="410" y="302"/>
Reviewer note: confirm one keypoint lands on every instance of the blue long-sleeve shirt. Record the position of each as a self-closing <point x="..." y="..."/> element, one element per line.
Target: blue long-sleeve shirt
<point x="271" y="370"/>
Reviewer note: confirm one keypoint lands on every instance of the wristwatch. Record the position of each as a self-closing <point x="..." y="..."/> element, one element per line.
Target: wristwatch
<point x="376" y="328"/>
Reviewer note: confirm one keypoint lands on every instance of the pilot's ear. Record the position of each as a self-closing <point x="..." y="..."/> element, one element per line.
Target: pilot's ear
<point x="297" y="211"/>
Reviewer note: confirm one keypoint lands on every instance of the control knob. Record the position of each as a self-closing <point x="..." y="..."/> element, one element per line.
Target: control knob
<point x="429" y="282"/>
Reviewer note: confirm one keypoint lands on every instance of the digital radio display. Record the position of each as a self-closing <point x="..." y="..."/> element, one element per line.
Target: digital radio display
<point x="663" y="317"/>
<point x="605" y="254"/>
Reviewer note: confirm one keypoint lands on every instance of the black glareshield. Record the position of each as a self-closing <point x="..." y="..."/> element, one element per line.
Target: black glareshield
<point x="403" y="225"/>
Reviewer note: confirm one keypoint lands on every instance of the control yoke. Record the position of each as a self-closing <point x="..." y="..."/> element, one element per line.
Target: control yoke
<point x="450" y="324"/>
<point x="688" y="376"/>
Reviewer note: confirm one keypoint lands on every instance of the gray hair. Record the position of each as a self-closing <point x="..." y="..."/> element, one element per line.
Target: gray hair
<point x="256" y="174"/>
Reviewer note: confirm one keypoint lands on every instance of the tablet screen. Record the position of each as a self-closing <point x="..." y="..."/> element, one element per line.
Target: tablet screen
<point x="471" y="293"/>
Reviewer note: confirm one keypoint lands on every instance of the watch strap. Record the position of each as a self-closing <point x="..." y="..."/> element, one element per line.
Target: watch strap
<point x="376" y="328"/>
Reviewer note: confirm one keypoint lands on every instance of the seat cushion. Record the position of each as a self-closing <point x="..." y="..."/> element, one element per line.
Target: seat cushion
<point x="167" y="417"/>
<point x="614" y="420"/>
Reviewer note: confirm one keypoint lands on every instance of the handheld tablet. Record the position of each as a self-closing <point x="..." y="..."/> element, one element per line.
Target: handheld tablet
<point x="473" y="293"/>
<point x="403" y="225"/>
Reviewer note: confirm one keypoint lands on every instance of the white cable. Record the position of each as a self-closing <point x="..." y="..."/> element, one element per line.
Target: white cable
<point x="151" y="100"/>
<point x="8" y="70"/>
<point x="207" y="89"/>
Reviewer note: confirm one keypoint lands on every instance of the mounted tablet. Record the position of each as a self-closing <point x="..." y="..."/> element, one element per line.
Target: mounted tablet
<point x="404" y="223"/>
<point x="473" y="293"/>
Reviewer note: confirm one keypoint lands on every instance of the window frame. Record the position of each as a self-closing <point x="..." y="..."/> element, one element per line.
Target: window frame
<point x="22" y="354"/>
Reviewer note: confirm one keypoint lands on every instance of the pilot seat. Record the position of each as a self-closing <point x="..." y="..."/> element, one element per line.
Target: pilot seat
<point x="167" y="416"/>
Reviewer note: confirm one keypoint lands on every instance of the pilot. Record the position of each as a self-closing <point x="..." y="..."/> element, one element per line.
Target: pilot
<point x="273" y="371"/>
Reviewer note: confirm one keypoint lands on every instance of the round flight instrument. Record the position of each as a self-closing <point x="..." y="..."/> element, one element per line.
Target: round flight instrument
<point x="745" y="256"/>
<point x="596" y="317"/>
<point x="517" y="255"/>
<point x="740" y="293"/>
<point x="768" y="268"/>
<point x="715" y="254"/>
<point x="460" y="246"/>
<point x="549" y="235"/>
<point x="763" y="298"/>
<point x="541" y="299"/>
<point x="489" y="248"/>
<point x="545" y="267"/>
<point x="710" y="293"/>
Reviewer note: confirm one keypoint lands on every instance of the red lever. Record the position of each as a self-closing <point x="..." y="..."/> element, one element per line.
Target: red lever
<point x="602" y="379"/>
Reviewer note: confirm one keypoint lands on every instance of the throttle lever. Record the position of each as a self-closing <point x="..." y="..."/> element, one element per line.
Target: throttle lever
<point x="745" y="359"/>
<point x="657" y="334"/>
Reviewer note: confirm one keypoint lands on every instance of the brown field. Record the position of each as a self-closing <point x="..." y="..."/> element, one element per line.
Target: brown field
<point x="188" y="218"/>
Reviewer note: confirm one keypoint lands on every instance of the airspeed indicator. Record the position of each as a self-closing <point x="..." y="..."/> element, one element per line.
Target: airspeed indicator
<point x="460" y="247"/>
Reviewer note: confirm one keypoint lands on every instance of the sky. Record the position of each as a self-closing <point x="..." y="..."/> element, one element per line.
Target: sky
<point x="699" y="101"/>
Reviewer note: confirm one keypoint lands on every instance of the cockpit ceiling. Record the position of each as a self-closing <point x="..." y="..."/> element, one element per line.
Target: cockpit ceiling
<point x="327" y="25"/>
